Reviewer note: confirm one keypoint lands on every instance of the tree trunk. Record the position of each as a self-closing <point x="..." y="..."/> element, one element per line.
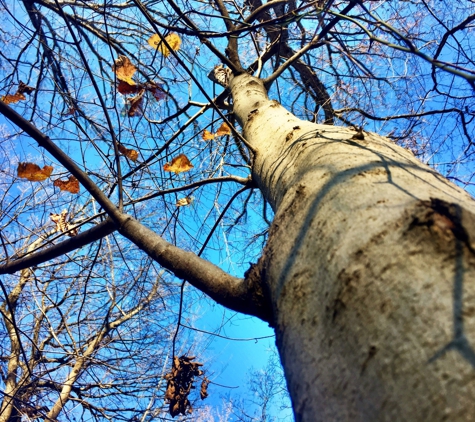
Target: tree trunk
<point x="369" y="266"/>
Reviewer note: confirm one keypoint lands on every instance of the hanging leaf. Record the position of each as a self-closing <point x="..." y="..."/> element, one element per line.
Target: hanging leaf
<point x="173" y="40"/>
<point x="207" y="135"/>
<point x="62" y="225"/>
<point x="204" y="388"/>
<point x="179" y="164"/>
<point x="184" y="201"/>
<point x="131" y="154"/>
<point x="125" y="89"/>
<point x="71" y="185"/>
<point x="224" y="129"/>
<point x="156" y="90"/>
<point x="71" y="112"/>
<point x="19" y="94"/>
<point x="13" y="98"/>
<point x="24" y="88"/>
<point x="124" y="70"/>
<point x="180" y="382"/>
<point x="135" y="104"/>
<point x="33" y="172"/>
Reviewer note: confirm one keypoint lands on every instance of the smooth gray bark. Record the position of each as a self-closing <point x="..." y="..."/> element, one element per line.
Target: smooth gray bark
<point x="370" y="268"/>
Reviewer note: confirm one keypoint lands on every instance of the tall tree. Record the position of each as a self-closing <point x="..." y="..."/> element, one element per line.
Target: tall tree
<point x="365" y="274"/>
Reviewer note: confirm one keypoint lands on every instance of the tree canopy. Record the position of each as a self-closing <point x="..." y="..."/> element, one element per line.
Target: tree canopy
<point x="119" y="108"/>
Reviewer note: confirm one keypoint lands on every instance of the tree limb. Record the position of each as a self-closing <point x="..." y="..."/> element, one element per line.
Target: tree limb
<point x="237" y="294"/>
<point x="98" y="232"/>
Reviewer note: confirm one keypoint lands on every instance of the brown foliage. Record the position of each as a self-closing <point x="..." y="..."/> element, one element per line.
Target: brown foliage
<point x="71" y="185"/>
<point x="19" y="94"/>
<point x="180" y="383"/>
<point x="62" y="225"/>
<point x="131" y="154"/>
<point x="33" y="172"/>
<point x="179" y="164"/>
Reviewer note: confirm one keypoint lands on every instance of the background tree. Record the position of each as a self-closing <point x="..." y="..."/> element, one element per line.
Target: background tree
<point x="368" y="246"/>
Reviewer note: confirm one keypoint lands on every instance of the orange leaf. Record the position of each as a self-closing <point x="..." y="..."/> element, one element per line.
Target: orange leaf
<point x="207" y="135"/>
<point x="179" y="164"/>
<point x="124" y="69"/>
<point x="126" y="89"/>
<point x="173" y="40"/>
<point x="18" y="96"/>
<point x="224" y="129"/>
<point x="135" y="104"/>
<point x="33" y="172"/>
<point x="13" y="98"/>
<point x="71" y="185"/>
<point x="184" y="201"/>
<point x="131" y="154"/>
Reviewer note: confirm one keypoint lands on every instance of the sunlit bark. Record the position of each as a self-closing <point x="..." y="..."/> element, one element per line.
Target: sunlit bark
<point x="368" y="265"/>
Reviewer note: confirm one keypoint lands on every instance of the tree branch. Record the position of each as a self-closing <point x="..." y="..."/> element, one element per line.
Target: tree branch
<point x="98" y="232"/>
<point x="234" y="293"/>
<point x="312" y="44"/>
<point x="46" y="143"/>
<point x="229" y="291"/>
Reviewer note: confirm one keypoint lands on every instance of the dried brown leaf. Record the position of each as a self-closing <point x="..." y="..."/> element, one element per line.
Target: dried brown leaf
<point x="179" y="164"/>
<point x="131" y="154"/>
<point x="207" y="135"/>
<point x="33" y="172"/>
<point x="135" y="104"/>
<point x="124" y="70"/>
<point x="126" y="89"/>
<point x="156" y="90"/>
<point x="224" y="129"/>
<point x="71" y="185"/>
<point x="204" y="388"/>
<point x="13" y="98"/>
<point x="182" y="202"/>
<point x="23" y="88"/>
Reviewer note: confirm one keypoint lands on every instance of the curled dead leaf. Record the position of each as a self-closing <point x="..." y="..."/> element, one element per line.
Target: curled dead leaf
<point x="131" y="154"/>
<point x="24" y="88"/>
<point x="62" y="225"/>
<point x="207" y="135"/>
<point x="173" y="40"/>
<point x="135" y="104"/>
<point x="71" y="112"/>
<point x="124" y="70"/>
<point x="204" y="388"/>
<point x="179" y="164"/>
<point x="71" y="185"/>
<point x="182" y="202"/>
<point x="126" y="89"/>
<point x="156" y="90"/>
<point x="33" y="172"/>
<point x="224" y="129"/>
<point x="13" y="98"/>
<point x="19" y="94"/>
<point x="180" y="383"/>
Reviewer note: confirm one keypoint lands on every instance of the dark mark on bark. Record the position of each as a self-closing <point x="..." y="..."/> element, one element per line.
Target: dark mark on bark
<point x="371" y="353"/>
<point x="252" y="113"/>
<point x="444" y="217"/>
